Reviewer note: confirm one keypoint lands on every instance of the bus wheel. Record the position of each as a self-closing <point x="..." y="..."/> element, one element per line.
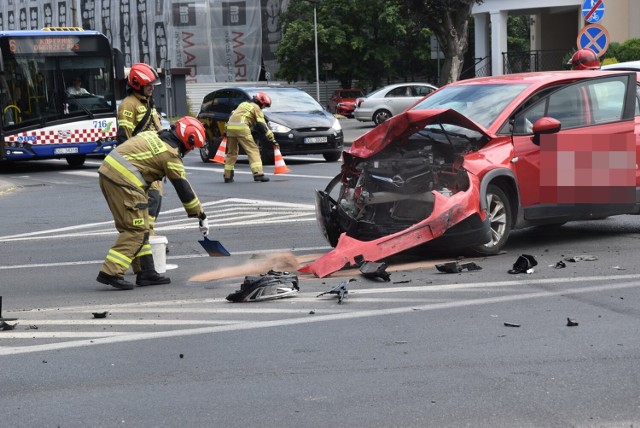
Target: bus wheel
<point x="76" y="160"/>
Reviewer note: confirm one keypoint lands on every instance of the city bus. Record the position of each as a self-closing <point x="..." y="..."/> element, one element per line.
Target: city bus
<point x="43" y="115"/>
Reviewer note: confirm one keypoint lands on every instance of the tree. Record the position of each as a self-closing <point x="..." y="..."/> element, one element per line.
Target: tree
<point x="370" y="41"/>
<point x="449" y="21"/>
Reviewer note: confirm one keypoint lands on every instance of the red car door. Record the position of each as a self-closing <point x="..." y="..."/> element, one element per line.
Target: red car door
<point x="588" y="167"/>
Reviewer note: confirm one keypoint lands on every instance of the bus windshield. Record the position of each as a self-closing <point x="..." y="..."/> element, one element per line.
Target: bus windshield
<point x="46" y="79"/>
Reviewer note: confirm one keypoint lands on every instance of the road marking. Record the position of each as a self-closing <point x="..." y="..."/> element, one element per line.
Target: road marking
<point x="345" y="315"/>
<point x="170" y="257"/>
<point x="244" y="212"/>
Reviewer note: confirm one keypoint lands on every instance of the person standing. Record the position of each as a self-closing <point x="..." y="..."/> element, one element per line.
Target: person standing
<point x="246" y="116"/>
<point x="124" y="178"/>
<point x="136" y="114"/>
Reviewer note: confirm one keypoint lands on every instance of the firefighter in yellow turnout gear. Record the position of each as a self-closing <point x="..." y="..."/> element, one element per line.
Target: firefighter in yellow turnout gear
<point x="246" y="116"/>
<point x="124" y="178"/>
<point x="137" y="114"/>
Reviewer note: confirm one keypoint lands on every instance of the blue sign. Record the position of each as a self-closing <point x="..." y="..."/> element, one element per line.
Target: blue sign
<point x="594" y="37"/>
<point x="593" y="10"/>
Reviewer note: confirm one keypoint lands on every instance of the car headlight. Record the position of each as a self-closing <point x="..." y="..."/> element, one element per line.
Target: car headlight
<point x="276" y="127"/>
<point x="336" y="125"/>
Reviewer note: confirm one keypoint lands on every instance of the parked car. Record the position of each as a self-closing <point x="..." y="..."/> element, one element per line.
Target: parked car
<point x="481" y="157"/>
<point x="627" y="65"/>
<point x="343" y="101"/>
<point x="386" y="102"/>
<point x="300" y="124"/>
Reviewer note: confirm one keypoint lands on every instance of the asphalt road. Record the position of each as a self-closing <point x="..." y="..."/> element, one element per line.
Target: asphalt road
<point x="478" y="348"/>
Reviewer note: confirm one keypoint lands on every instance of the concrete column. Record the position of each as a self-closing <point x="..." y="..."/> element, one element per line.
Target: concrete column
<point x="498" y="40"/>
<point x="481" y="33"/>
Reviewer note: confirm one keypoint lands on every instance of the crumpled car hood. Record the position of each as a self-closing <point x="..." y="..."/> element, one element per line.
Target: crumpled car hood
<point x="447" y="212"/>
<point x="400" y="127"/>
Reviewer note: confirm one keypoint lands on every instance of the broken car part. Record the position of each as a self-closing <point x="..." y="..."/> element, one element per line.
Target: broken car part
<point x="524" y="264"/>
<point x="269" y="286"/>
<point x="340" y="290"/>
<point x="373" y="270"/>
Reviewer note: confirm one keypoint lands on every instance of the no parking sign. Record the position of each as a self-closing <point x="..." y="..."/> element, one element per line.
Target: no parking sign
<point x="594" y="37"/>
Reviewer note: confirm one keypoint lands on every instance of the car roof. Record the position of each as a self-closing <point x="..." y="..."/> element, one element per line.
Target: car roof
<point x="627" y="65"/>
<point x="533" y="77"/>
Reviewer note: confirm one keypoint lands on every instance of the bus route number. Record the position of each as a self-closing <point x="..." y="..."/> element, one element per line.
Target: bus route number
<point x="100" y="124"/>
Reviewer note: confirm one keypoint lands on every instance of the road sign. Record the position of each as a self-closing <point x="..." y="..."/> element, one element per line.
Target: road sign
<point x="593" y="10"/>
<point x="594" y="37"/>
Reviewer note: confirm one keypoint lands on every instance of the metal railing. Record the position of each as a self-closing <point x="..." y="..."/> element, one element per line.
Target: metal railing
<point x="541" y="60"/>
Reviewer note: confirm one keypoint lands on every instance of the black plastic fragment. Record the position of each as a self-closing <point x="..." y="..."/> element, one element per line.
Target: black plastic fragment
<point x="524" y="263"/>
<point x="373" y="270"/>
<point x="340" y="290"/>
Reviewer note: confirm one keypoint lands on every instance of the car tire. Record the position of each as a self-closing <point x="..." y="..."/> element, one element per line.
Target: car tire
<point x="267" y="154"/>
<point x="333" y="156"/>
<point x="76" y="160"/>
<point x="209" y="149"/>
<point x="500" y="215"/>
<point x="380" y="116"/>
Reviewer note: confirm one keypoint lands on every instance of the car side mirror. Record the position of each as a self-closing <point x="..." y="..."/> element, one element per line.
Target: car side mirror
<point x="545" y="125"/>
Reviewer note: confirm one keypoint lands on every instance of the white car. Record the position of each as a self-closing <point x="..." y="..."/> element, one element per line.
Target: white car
<point x="386" y="102"/>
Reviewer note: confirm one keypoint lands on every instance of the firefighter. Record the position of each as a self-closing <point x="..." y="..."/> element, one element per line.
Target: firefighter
<point x="136" y="114"/>
<point x="124" y="178"/>
<point x="584" y="59"/>
<point x="248" y="115"/>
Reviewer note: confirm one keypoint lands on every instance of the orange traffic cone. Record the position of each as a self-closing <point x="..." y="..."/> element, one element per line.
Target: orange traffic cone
<point x="281" y="167"/>
<point x="221" y="152"/>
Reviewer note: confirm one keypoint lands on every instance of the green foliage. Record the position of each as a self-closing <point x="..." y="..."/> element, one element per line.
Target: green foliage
<point x="369" y="41"/>
<point x="518" y="34"/>
<point x="629" y="50"/>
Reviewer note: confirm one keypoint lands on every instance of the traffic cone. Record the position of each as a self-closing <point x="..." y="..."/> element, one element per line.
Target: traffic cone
<point x="221" y="152"/>
<point x="281" y="167"/>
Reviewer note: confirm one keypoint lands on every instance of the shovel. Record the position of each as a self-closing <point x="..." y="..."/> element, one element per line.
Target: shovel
<point x="213" y="248"/>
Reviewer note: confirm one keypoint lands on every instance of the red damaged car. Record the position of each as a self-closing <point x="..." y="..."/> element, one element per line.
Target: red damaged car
<point x="481" y="157"/>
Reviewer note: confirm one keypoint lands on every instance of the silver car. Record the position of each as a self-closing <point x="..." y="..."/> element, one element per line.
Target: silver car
<point x="385" y="102"/>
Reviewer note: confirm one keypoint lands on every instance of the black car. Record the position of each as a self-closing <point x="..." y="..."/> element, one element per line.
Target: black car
<point x="300" y="124"/>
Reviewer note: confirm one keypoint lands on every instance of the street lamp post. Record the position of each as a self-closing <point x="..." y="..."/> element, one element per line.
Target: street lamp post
<point x="315" y="34"/>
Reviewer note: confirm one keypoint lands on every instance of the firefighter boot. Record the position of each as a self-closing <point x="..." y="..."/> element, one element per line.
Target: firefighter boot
<point x="148" y="274"/>
<point x="114" y="281"/>
<point x="260" y="178"/>
<point x="230" y="178"/>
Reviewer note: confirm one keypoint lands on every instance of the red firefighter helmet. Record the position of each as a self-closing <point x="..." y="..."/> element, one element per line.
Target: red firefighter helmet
<point x="584" y="59"/>
<point x="262" y="99"/>
<point x="191" y="132"/>
<point x="142" y="75"/>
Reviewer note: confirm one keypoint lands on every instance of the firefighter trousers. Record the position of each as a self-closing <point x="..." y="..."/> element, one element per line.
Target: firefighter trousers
<point x="129" y="208"/>
<point x="244" y="139"/>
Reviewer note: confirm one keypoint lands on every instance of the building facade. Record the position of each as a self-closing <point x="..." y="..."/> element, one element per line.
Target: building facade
<point x="217" y="40"/>
<point x="555" y="26"/>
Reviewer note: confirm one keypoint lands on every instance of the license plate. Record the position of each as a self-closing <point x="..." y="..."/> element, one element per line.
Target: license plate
<point x="315" y="140"/>
<point x="65" y="150"/>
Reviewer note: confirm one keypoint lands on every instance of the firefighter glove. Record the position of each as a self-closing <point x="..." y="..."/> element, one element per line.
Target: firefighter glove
<point x="204" y="224"/>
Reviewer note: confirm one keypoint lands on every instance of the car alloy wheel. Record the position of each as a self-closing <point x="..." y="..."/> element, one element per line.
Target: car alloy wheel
<point x="380" y="116"/>
<point x="500" y="216"/>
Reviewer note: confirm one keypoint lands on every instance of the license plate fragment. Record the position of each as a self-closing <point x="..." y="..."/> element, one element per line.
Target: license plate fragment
<point x="315" y="140"/>
<point x="65" y="150"/>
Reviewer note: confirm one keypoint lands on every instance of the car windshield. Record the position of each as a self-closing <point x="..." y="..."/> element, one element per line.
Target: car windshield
<point x="286" y="101"/>
<point x="480" y="103"/>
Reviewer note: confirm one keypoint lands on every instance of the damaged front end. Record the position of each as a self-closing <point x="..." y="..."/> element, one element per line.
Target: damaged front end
<point x="402" y="185"/>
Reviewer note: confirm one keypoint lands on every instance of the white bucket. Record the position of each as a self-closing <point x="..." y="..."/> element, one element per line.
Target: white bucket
<point x="159" y="252"/>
